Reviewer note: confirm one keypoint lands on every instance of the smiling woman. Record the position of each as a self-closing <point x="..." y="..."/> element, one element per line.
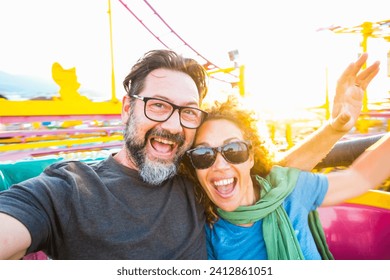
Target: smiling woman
<point x="258" y="210"/>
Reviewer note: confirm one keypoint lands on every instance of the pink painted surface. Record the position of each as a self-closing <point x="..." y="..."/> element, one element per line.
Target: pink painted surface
<point x="16" y="119"/>
<point x="25" y="133"/>
<point x="20" y="155"/>
<point x="36" y="256"/>
<point x="357" y="232"/>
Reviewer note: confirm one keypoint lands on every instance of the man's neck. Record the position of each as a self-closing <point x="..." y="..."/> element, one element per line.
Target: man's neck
<point x="123" y="158"/>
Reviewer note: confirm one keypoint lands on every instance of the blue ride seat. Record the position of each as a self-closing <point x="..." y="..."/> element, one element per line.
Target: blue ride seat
<point x="15" y="172"/>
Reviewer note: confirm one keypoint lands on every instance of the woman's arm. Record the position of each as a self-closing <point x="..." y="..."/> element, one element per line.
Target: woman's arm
<point x="368" y="171"/>
<point x="307" y="154"/>
<point x="346" y="109"/>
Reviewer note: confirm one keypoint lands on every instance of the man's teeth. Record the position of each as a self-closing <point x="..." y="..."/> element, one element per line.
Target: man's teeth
<point x="164" y="141"/>
<point x="224" y="182"/>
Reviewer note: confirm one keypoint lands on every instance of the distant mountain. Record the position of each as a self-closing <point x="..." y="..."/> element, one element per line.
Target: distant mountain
<point x="22" y="87"/>
<point x="25" y="87"/>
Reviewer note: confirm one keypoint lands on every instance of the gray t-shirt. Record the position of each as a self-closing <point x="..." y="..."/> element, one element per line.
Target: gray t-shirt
<point x="105" y="211"/>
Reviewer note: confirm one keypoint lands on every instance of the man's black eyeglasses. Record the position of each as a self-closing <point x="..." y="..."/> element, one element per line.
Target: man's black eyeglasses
<point x="160" y="110"/>
<point x="234" y="152"/>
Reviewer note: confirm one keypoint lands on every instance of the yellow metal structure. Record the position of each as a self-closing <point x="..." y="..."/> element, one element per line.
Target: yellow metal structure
<point x="241" y="77"/>
<point x="113" y="92"/>
<point x="374" y="198"/>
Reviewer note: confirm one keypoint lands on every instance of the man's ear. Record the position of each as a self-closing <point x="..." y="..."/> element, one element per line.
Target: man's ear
<point x="125" y="108"/>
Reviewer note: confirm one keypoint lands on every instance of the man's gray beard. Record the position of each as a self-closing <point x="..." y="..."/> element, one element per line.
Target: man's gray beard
<point x="154" y="171"/>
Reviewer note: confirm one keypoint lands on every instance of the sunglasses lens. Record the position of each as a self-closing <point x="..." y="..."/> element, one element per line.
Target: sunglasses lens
<point x="236" y="152"/>
<point x="203" y="157"/>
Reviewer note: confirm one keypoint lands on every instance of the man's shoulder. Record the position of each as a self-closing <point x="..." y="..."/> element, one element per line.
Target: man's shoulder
<point x="76" y="164"/>
<point x="72" y="166"/>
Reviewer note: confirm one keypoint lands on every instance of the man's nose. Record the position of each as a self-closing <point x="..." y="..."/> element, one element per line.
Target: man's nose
<point x="173" y="123"/>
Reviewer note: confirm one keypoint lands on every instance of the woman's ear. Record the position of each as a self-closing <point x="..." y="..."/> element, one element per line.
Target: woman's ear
<point x="125" y="109"/>
<point x="251" y="159"/>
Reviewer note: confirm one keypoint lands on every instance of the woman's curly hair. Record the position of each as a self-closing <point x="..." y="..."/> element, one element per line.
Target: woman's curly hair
<point x="247" y="120"/>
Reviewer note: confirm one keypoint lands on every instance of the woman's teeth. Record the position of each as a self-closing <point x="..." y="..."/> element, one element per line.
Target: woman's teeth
<point x="223" y="182"/>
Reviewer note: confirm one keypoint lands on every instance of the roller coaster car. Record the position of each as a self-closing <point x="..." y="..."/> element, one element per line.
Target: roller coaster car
<point x="359" y="229"/>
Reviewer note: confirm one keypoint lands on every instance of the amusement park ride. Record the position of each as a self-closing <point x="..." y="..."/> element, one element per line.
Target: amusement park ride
<point x="356" y="229"/>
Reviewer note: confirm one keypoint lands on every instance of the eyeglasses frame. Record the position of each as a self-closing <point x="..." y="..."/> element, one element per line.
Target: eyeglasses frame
<point x="174" y="106"/>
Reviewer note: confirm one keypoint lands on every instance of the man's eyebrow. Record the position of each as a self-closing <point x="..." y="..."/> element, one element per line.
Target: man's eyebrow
<point x="193" y="104"/>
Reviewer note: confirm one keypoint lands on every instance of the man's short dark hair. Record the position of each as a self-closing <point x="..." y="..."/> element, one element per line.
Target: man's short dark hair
<point x="167" y="59"/>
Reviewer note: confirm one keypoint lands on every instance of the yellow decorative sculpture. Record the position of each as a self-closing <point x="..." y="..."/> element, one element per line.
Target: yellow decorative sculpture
<point x="67" y="81"/>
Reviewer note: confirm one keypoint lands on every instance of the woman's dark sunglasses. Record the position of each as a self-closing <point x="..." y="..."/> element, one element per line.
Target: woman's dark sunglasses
<point x="234" y="152"/>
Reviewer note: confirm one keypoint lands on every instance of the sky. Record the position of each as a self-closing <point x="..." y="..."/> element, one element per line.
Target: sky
<point x="285" y="57"/>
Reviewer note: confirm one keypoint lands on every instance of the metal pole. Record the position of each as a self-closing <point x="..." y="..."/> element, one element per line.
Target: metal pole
<point x="366" y="31"/>
<point x="113" y="94"/>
